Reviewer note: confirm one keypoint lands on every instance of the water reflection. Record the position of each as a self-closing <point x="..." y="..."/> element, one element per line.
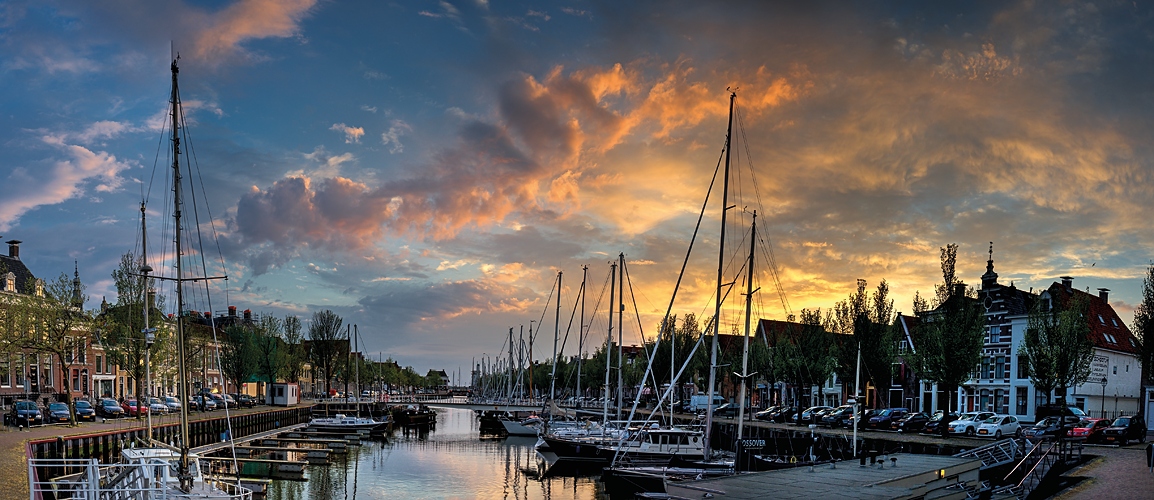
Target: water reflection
<point x="450" y="460"/>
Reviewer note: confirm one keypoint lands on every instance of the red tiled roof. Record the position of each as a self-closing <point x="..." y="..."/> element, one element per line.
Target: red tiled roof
<point x="1104" y="322"/>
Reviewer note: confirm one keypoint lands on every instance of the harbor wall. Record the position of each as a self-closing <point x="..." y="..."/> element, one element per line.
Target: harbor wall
<point x="106" y="446"/>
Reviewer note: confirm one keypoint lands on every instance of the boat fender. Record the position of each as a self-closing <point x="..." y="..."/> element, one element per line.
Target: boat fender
<point x="793" y="460"/>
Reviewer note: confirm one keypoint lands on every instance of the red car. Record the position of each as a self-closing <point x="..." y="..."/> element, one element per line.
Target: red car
<point x="133" y="408"/>
<point x="1090" y="429"/>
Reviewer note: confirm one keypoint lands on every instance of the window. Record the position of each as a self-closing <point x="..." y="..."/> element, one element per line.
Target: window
<point x="1023" y="368"/>
<point x="1080" y="403"/>
<point x="1023" y="394"/>
<point x="998" y="401"/>
<point x="1110" y="338"/>
<point x="99" y="364"/>
<point x="75" y="379"/>
<point x="5" y="374"/>
<point x="1100" y="320"/>
<point x="999" y="363"/>
<point x="1115" y="369"/>
<point x="1114" y="321"/>
<point x="994" y="337"/>
<point x="19" y="371"/>
<point x="986" y="369"/>
<point x="984" y="401"/>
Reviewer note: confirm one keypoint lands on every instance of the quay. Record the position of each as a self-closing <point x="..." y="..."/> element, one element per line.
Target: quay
<point x="910" y="476"/>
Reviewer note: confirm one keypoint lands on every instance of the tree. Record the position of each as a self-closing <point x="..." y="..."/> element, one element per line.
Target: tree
<point x="685" y="336"/>
<point x="327" y="344"/>
<point x="1144" y="324"/>
<point x="238" y="354"/>
<point x="62" y="327"/>
<point x="1057" y="348"/>
<point x="869" y="318"/>
<point x="295" y="356"/>
<point x="950" y="338"/>
<point x="804" y="355"/>
<point x="120" y="328"/>
<point x="270" y="351"/>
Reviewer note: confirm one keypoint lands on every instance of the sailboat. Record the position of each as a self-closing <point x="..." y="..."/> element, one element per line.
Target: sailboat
<point x="154" y="470"/>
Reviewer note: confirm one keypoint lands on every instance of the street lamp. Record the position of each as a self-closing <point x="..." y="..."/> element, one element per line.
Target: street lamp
<point x="1104" y="396"/>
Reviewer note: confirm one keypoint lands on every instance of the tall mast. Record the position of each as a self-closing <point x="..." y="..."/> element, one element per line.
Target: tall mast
<point x="509" y="385"/>
<point x="720" y="266"/>
<point x="581" y="334"/>
<point x="556" y="333"/>
<point x="609" y="341"/>
<point x="748" y="310"/>
<point x="149" y="337"/>
<point x="183" y="470"/>
<point x="620" y="335"/>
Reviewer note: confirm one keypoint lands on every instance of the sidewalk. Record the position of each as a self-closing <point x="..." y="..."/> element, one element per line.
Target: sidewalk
<point x="1117" y="473"/>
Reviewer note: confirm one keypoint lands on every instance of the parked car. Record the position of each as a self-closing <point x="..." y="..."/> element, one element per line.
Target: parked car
<point x="912" y="422"/>
<point x="245" y="401"/>
<point x="767" y="414"/>
<point x="24" y="413"/>
<point x="727" y="410"/>
<point x="785" y="415"/>
<point x="58" y="412"/>
<point x="1124" y="429"/>
<point x="1048" y="428"/>
<point x="1059" y="410"/>
<point x="807" y="416"/>
<point x="157" y="406"/>
<point x="1090" y="429"/>
<point x="837" y="416"/>
<point x="1000" y="425"/>
<point x="203" y="403"/>
<point x="109" y="408"/>
<point x="865" y="415"/>
<point x="941" y="420"/>
<point x="886" y="417"/>
<point x="84" y="410"/>
<point x="172" y="403"/>
<point x="967" y="423"/>
<point x="133" y="408"/>
<point x="223" y="401"/>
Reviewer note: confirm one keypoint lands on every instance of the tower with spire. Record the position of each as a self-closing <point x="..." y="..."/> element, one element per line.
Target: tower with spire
<point x="77" y="299"/>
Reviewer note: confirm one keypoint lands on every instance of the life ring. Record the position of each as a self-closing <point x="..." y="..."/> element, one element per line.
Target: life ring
<point x="793" y="460"/>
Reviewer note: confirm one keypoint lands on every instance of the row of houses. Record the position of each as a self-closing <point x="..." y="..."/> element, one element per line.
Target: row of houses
<point x="1000" y="382"/>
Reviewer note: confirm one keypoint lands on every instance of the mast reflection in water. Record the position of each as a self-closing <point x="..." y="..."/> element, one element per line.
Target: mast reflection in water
<point x="450" y="461"/>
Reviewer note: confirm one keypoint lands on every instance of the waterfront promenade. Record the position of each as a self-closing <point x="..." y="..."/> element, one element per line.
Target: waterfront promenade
<point x="13" y="441"/>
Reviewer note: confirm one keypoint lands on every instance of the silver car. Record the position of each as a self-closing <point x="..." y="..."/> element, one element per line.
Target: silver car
<point x="173" y="404"/>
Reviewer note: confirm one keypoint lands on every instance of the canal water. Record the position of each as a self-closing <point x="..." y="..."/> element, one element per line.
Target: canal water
<point x="450" y="461"/>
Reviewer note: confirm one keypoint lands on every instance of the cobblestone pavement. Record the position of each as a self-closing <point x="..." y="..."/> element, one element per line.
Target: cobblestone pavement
<point x="1117" y="473"/>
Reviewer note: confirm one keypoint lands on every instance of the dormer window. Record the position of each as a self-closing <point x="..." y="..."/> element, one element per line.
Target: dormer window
<point x="10" y="282"/>
<point x="39" y="288"/>
<point x="1110" y="338"/>
<point x="1100" y="320"/>
<point x="1114" y="321"/>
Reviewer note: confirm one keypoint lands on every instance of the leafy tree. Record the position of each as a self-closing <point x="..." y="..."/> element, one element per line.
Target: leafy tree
<point x="685" y="336"/>
<point x="950" y="338"/>
<point x="62" y="326"/>
<point x="869" y="319"/>
<point x="120" y="328"/>
<point x="804" y="355"/>
<point x="1144" y="323"/>
<point x="327" y="344"/>
<point x="238" y="354"/>
<point x="1057" y="348"/>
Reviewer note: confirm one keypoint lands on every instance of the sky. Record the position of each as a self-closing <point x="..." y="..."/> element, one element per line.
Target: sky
<point x="425" y="169"/>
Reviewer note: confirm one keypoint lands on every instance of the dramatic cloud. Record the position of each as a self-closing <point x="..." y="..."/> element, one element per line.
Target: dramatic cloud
<point x="225" y="31"/>
<point x="54" y="181"/>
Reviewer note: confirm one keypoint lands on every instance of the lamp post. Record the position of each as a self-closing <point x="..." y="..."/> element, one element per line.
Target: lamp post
<point x="1104" y="381"/>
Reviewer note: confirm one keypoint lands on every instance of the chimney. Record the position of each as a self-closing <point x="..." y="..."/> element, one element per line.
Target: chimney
<point x="960" y="289"/>
<point x="14" y="249"/>
<point x="1104" y="294"/>
<point x="232" y="311"/>
<point x="248" y="314"/>
<point x="1067" y="282"/>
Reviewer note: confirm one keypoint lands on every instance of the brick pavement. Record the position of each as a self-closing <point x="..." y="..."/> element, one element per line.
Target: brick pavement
<point x="1117" y="473"/>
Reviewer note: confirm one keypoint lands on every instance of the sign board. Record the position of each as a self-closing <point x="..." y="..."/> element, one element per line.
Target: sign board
<point x="1099" y="368"/>
<point x="753" y="443"/>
